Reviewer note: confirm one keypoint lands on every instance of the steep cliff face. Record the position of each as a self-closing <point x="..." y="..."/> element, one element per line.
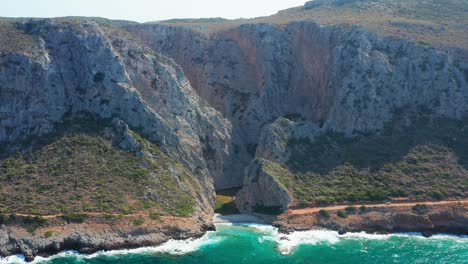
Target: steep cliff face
<point x="264" y="191"/>
<point x="252" y="74"/>
<point x="376" y="76"/>
<point x="340" y="78"/>
<point x="76" y="66"/>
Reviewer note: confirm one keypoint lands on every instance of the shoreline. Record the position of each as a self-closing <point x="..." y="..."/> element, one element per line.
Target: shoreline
<point x="237" y="219"/>
<point x="431" y="219"/>
<point x="194" y="243"/>
<point x="92" y="236"/>
<point x="95" y="235"/>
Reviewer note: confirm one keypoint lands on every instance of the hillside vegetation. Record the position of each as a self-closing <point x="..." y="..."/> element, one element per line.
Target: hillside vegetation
<point x="427" y="160"/>
<point x="80" y="169"/>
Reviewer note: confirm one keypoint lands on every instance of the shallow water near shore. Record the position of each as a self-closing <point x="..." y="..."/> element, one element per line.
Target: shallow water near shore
<point x="254" y="243"/>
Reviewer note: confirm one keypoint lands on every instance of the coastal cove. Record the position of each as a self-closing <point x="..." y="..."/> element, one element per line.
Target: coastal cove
<point x="334" y="131"/>
<point x="256" y="243"/>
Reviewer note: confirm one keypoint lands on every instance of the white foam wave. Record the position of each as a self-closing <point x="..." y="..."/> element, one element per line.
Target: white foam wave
<point x="285" y="243"/>
<point x="12" y="259"/>
<point x="172" y="247"/>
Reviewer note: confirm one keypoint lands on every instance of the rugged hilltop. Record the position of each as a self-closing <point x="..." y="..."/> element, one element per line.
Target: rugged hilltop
<point x="137" y="124"/>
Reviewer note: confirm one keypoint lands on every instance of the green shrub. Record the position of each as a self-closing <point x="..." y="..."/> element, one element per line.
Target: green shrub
<point x="48" y="234"/>
<point x="324" y="213"/>
<point x="34" y="220"/>
<point x="154" y="216"/>
<point x="125" y="210"/>
<point x="184" y="209"/>
<point x="75" y="218"/>
<point x="325" y="200"/>
<point x="31" y="230"/>
<point x="438" y="195"/>
<point x="138" y="222"/>
<point x="3" y="219"/>
<point x="363" y="208"/>
<point x="342" y="214"/>
<point x="377" y="194"/>
<point x="104" y="206"/>
<point x="350" y="209"/>
<point x="138" y="174"/>
<point x="109" y="217"/>
<point x="146" y="204"/>
<point x="421" y="209"/>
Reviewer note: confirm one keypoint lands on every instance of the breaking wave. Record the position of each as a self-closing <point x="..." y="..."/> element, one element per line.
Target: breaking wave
<point x="285" y="243"/>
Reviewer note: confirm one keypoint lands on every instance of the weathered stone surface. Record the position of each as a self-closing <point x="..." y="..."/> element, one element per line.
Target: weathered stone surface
<point x="262" y="187"/>
<point x="83" y="66"/>
<point x="273" y="142"/>
<point x="262" y="190"/>
<point x="90" y="238"/>
<point x="343" y="79"/>
<point x="441" y="219"/>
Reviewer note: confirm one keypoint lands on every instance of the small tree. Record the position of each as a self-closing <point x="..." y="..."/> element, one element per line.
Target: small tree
<point x="48" y="234"/>
<point x="351" y="209"/>
<point x="421" y="209"/>
<point x="154" y="216"/>
<point x="138" y="222"/>
<point x="325" y="213"/>
<point x="3" y="219"/>
<point x="342" y="214"/>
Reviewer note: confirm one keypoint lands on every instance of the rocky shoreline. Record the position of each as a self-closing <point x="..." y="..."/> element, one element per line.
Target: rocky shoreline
<point x="428" y="220"/>
<point x="94" y="236"/>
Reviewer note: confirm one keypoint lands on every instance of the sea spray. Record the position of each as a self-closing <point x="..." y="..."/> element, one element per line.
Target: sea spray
<point x="255" y="243"/>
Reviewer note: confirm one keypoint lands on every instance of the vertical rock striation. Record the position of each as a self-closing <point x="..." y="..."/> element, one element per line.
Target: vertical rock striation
<point x="339" y="78"/>
<point x="82" y="66"/>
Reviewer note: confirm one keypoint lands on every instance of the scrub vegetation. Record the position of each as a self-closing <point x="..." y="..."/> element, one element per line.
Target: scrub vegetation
<point x="79" y="170"/>
<point x="427" y="160"/>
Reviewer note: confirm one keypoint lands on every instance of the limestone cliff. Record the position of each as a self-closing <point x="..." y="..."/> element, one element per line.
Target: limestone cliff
<point x="56" y="68"/>
<point x="264" y="190"/>
<point x="340" y="78"/>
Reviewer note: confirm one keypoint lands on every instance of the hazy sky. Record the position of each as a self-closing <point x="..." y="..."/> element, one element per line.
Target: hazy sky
<point x="145" y="10"/>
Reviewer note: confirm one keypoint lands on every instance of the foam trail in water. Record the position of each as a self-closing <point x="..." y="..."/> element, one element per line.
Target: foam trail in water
<point x="173" y="247"/>
<point x="286" y="243"/>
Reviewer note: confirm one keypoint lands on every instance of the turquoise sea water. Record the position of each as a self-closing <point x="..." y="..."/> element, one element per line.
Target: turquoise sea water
<point x="252" y="244"/>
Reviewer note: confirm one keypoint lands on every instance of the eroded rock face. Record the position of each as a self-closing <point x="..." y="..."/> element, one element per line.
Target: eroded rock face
<point x="89" y="239"/>
<point x="262" y="186"/>
<point x="342" y="79"/>
<point x="450" y="219"/>
<point x="82" y="66"/>
<point x="252" y="74"/>
<point x="262" y="191"/>
<point x="273" y="142"/>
